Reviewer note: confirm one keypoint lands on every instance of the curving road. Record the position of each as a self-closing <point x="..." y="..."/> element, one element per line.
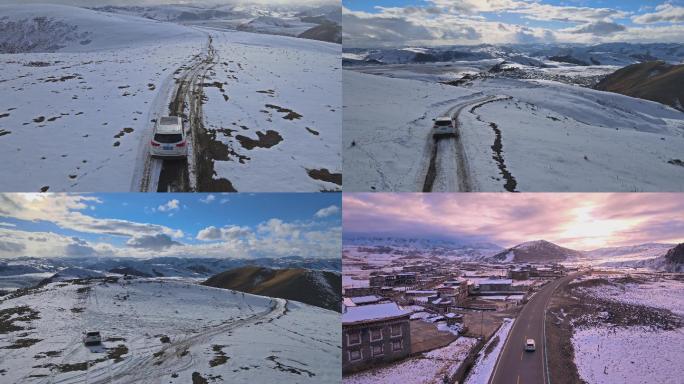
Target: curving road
<point x="449" y="170"/>
<point x="514" y="365"/>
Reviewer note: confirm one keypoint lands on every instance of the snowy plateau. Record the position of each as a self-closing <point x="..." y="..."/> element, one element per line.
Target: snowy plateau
<point x="163" y="330"/>
<point x="522" y="124"/>
<point x="636" y="335"/>
<point x="81" y="90"/>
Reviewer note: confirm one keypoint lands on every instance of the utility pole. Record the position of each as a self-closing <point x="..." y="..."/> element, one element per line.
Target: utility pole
<point x="482" y="324"/>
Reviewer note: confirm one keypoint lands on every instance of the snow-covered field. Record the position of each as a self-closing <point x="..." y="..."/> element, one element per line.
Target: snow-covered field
<point x="629" y="355"/>
<point x="387" y="124"/>
<point x="484" y="365"/>
<point x="79" y="93"/>
<point x="661" y="293"/>
<point x="551" y="136"/>
<point x="294" y="102"/>
<point x="636" y="353"/>
<point x="427" y="368"/>
<point x="164" y="330"/>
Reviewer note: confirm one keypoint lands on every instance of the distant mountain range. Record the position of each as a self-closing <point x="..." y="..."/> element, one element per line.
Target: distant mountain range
<point x="320" y="288"/>
<point x="158" y="267"/>
<point x="671" y="261"/>
<point x="381" y="249"/>
<point x="309" y="22"/>
<point x="616" y="54"/>
<point x="653" y="80"/>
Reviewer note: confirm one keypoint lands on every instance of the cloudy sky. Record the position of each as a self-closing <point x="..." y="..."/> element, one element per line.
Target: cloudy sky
<point x="91" y="3"/>
<point x="579" y="221"/>
<point x="183" y="225"/>
<point x="397" y="23"/>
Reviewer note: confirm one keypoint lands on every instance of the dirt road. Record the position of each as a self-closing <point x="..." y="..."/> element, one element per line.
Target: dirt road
<point x="141" y="365"/>
<point x="176" y="175"/>
<point x="449" y="170"/>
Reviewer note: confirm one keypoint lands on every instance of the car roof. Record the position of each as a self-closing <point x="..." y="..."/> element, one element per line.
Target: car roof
<point x="530" y="341"/>
<point x="443" y="118"/>
<point x="169" y="120"/>
<point x="169" y="125"/>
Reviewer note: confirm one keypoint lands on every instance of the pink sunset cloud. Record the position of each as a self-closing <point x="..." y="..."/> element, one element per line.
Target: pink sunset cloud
<point x="576" y="220"/>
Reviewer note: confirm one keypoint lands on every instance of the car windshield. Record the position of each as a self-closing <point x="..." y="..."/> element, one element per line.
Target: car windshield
<point x="93" y="333"/>
<point x="168" y="138"/>
<point x="443" y="123"/>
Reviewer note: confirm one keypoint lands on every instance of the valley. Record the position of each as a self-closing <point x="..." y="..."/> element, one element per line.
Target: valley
<point x="548" y="129"/>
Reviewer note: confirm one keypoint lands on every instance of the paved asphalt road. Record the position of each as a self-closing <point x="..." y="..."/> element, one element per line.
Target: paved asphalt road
<point x="515" y="366"/>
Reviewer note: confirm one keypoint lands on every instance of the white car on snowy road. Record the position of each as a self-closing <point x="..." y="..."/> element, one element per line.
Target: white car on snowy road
<point x="169" y="138"/>
<point x="92" y="338"/>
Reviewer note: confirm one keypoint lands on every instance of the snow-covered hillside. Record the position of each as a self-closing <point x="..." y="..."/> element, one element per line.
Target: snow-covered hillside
<point x="281" y="122"/>
<point x="80" y="118"/>
<point x="633" y="332"/>
<point x="514" y="134"/>
<point x="51" y="28"/>
<point x="628" y="253"/>
<point x="156" y="330"/>
<point x="538" y="251"/>
<point x="24" y="272"/>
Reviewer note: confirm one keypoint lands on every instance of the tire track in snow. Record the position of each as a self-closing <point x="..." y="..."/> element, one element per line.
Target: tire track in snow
<point x="138" y="368"/>
<point x="511" y="184"/>
<point x="436" y="176"/>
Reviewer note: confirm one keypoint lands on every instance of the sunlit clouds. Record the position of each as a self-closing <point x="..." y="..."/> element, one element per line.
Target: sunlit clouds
<point x="153" y="225"/>
<point x="471" y="22"/>
<point x="580" y="221"/>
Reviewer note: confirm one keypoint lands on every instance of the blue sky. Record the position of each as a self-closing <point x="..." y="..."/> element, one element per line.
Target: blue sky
<point x="239" y="225"/>
<point x="447" y="22"/>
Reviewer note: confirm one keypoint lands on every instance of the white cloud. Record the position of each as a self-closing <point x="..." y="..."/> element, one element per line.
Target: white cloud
<point x="229" y="232"/>
<point x="158" y="241"/>
<point x="208" y="199"/>
<point x="66" y="211"/>
<point x="7" y="224"/>
<point x="468" y="22"/>
<point x="664" y="13"/>
<point x="328" y="211"/>
<point x="171" y="205"/>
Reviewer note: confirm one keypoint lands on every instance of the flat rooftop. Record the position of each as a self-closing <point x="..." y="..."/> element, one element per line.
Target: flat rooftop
<point x="372" y="312"/>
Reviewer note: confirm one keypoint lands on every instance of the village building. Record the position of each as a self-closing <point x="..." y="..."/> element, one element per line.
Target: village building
<point x="366" y="300"/>
<point x="374" y="334"/>
<point x="493" y="286"/>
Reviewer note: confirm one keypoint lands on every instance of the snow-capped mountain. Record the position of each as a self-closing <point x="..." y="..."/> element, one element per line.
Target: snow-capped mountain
<point x="164" y="330"/>
<point x="74" y="268"/>
<point x="616" y="54"/>
<point x="538" y="252"/>
<point x="630" y="252"/>
<point x="453" y="249"/>
<point x="52" y="28"/>
<point x="671" y="260"/>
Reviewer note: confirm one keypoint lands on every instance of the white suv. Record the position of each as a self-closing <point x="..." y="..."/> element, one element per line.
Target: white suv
<point x="530" y="345"/>
<point x="169" y="138"/>
<point x="443" y="127"/>
<point x="92" y="338"/>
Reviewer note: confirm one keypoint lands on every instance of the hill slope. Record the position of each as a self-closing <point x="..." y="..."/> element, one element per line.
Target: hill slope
<point x="51" y="28"/>
<point x="540" y="251"/>
<point x="319" y="288"/>
<point x="672" y="261"/>
<point x="164" y="331"/>
<point x="653" y="80"/>
<point x="329" y="32"/>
